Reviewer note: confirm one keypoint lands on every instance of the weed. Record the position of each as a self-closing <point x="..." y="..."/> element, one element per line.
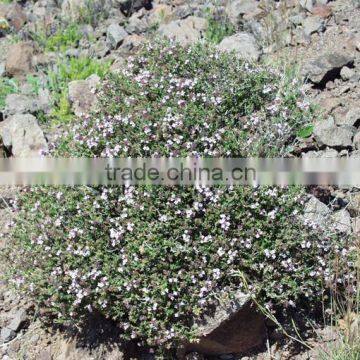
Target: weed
<point x="35" y="84"/>
<point x="93" y="12"/>
<point x="342" y="350"/>
<point x="7" y="86"/>
<point x="61" y="40"/>
<point x="218" y="30"/>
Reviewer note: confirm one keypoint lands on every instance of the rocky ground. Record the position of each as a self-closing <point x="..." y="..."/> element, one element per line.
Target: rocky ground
<point x="321" y="37"/>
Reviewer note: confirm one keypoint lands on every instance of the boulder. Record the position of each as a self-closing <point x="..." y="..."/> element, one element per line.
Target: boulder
<point x="131" y="44"/>
<point x="136" y="25"/>
<point x="313" y="24"/>
<point x="355" y="155"/>
<point x="323" y="11"/>
<point x="234" y="327"/>
<point x="20" y="104"/>
<point x="328" y="153"/>
<point x="18" y="320"/>
<point x="115" y="35"/>
<point x="14" y="14"/>
<point x="243" y="44"/>
<point x="327" y="133"/>
<point x="354" y="204"/>
<point x="22" y="134"/>
<point x="356" y="226"/>
<point x="2" y="69"/>
<point x="316" y="212"/>
<point x="345" y="116"/>
<point x="24" y="104"/>
<point x="44" y="101"/>
<point x="161" y="13"/>
<point x="187" y="31"/>
<point x="118" y="65"/>
<point x="346" y="73"/>
<point x="341" y="221"/>
<point x="323" y="68"/>
<point x="6" y="335"/>
<point x="307" y="4"/>
<point x="82" y="96"/>
<point x="19" y="59"/>
<point x="236" y="9"/>
<point x="357" y="140"/>
<point x="100" y="49"/>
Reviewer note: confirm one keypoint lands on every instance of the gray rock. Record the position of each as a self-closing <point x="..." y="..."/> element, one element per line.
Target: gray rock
<point x="236" y="9"/>
<point x="72" y="53"/>
<point x="131" y="44"/>
<point x="115" y="35"/>
<point x="44" y="100"/>
<point x="7" y="335"/>
<point x="118" y="65"/>
<point x="341" y="221"/>
<point x="82" y="96"/>
<point x="257" y="29"/>
<point x="45" y="355"/>
<point x="23" y="135"/>
<point x="230" y="314"/>
<point x="19" y="59"/>
<point x="19" y="319"/>
<point x="318" y="69"/>
<point x="23" y="104"/>
<point x="347" y="115"/>
<point x="14" y="14"/>
<point x="76" y="10"/>
<point x="328" y="153"/>
<point x="185" y="32"/>
<point x="20" y="104"/>
<point x="313" y="24"/>
<point x="243" y="44"/>
<point x="297" y="19"/>
<point x="307" y="4"/>
<point x="2" y="69"/>
<point x="100" y="49"/>
<point x="327" y="133"/>
<point x="352" y="116"/>
<point x="357" y="140"/>
<point x="346" y="73"/>
<point x="354" y="204"/>
<point x="316" y="212"/>
<point x="161" y="13"/>
<point x="222" y="313"/>
<point x="136" y="25"/>
<point x="355" y="154"/>
<point x="356" y="225"/>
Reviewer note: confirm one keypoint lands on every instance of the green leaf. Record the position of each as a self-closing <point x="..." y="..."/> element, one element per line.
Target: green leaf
<point x="306" y="131"/>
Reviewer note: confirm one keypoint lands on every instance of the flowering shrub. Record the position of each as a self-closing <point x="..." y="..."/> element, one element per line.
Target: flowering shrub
<point x="173" y="101"/>
<point x="156" y="258"/>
